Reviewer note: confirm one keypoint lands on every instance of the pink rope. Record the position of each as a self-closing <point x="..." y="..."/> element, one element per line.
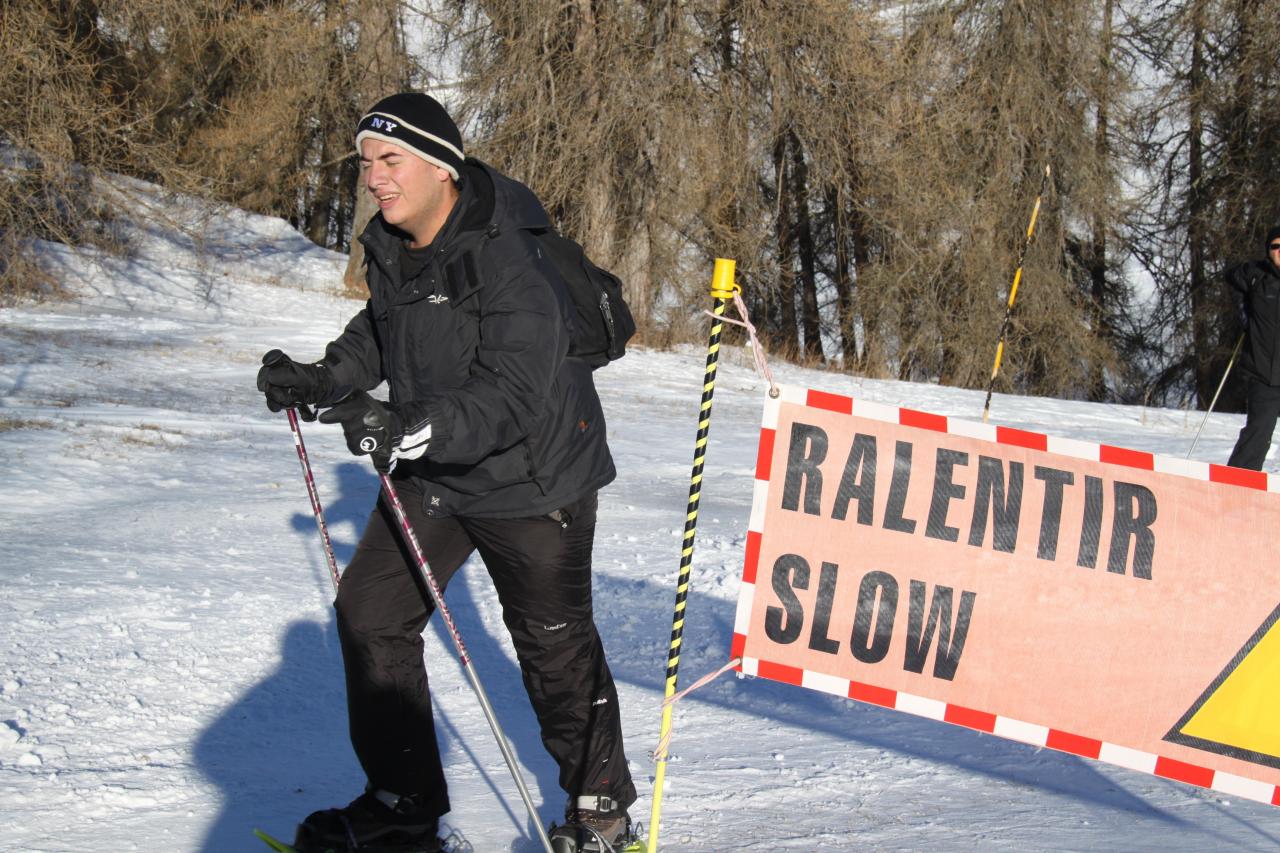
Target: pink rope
<point x="757" y="348"/>
<point x="660" y="751"/>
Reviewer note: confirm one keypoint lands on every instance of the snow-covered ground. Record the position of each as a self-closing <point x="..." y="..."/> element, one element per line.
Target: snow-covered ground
<point x="171" y="677"/>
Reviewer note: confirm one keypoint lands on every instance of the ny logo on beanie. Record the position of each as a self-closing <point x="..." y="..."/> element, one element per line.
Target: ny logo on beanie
<point x="417" y="123"/>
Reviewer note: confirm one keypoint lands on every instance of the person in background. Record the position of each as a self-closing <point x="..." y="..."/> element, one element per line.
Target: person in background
<point x="495" y="440"/>
<point x="1256" y="285"/>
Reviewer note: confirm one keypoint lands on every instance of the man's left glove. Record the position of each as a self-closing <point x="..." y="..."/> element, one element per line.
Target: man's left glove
<point x="288" y="383"/>
<point x="376" y="429"/>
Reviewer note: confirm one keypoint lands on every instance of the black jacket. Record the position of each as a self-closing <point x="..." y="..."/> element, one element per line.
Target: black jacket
<point x="1257" y="288"/>
<point x="475" y="345"/>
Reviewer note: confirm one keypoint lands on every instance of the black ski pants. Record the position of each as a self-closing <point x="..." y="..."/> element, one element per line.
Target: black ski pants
<point x="1262" y="407"/>
<point x="541" y="569"/>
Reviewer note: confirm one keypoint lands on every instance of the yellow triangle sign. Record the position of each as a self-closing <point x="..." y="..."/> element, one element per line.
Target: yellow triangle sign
<point x="1239" y="714"/>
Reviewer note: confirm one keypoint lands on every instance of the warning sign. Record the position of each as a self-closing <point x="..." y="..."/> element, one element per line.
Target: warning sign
<point x="1093" y="599"/>
<point x="1237" y="715"/>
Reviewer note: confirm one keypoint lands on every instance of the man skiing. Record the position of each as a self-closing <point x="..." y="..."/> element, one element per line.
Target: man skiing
<point x="1257" y="290"/>
<point x="496" y="444"/>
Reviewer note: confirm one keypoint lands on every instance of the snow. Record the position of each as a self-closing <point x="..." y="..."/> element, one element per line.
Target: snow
<point x="171" y="677"/>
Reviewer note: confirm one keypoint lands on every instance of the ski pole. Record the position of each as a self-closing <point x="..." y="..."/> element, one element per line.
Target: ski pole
<point x="1231" y="363"/>
<point x="1013" y="294"/>
<point x="437" y="597"/>
<point x="316" y="509"/>
<point x="722" y="288"/>
<point x="275" y="356"/>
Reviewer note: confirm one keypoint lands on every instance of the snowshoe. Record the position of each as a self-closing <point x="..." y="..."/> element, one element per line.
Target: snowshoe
<point x="595" y="825"/>
<point x="454" y="842"/>
<point x="375" y="822"/>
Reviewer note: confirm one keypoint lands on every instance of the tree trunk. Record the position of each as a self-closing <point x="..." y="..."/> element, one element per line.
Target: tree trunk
<point x="1202" y="311"/>
<point x="811" y="319"/>
<point x="1099" y="287"/>
<point x="788" y="332"/>
<point x="844" y="280"/>
<point x="381" y="51"/>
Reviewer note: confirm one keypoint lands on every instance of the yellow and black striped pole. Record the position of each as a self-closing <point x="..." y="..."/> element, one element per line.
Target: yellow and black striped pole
<point x="1013" y="294"/>
<point x="722" y="288"/>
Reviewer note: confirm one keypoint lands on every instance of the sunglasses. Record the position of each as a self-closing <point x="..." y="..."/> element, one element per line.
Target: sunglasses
<point x="1274" y="247"/>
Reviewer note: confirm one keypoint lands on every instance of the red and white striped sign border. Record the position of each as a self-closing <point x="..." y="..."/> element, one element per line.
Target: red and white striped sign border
<point x="982" y="721"/>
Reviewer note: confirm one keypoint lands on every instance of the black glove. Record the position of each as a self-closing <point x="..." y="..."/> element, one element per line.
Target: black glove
<point x="371" y="427"/>
<point x="288" y="384"/>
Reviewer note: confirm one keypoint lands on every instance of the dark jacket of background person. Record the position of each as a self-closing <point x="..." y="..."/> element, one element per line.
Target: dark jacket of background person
<point x="1257" y="288"/>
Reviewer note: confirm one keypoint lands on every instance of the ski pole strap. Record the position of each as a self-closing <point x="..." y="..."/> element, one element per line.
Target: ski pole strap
<point x="660" y="751"/>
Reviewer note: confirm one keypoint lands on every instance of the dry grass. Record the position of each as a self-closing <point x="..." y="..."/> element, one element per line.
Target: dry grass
<point x="12" y="424"/>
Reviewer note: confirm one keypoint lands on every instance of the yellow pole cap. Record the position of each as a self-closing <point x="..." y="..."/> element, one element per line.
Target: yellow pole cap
<point x="722" y="286"/>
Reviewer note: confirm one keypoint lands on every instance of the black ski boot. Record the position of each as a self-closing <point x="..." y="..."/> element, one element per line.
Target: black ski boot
<point x="592" y="825"/>
<point x="377" y="821"/>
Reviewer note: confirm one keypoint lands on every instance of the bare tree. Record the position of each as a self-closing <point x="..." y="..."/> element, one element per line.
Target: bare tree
<point x="1207" y="141"/>
<point x="182" y="93"/>
<point x="870" y="167"/>
<point x="380" y="66"/>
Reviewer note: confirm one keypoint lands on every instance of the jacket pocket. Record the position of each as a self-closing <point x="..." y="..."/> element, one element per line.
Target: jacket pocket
<point x="510" y="467"/>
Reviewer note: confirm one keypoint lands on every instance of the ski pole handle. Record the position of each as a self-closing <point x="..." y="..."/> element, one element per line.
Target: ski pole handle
<point x="276" y="356"/>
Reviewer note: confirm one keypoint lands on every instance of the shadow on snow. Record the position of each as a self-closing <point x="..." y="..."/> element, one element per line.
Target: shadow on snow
<point x="281" y="750"/>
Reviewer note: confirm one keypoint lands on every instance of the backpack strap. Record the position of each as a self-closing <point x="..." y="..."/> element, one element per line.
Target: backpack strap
<point x="461" y="276"/>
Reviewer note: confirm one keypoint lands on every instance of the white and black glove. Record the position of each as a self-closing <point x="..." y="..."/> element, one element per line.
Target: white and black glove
<point x="375" y="429"/>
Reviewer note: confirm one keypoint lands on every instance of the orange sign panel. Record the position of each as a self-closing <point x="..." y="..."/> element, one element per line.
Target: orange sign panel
<point x="1102" y="601"/>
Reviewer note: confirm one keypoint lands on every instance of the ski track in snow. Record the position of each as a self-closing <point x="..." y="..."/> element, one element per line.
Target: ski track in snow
<point x="171" y="678"/>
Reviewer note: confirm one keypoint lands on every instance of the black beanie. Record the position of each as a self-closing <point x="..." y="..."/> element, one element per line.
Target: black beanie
<point x="418" y="124"/>
<point x="1272" y="234"/>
